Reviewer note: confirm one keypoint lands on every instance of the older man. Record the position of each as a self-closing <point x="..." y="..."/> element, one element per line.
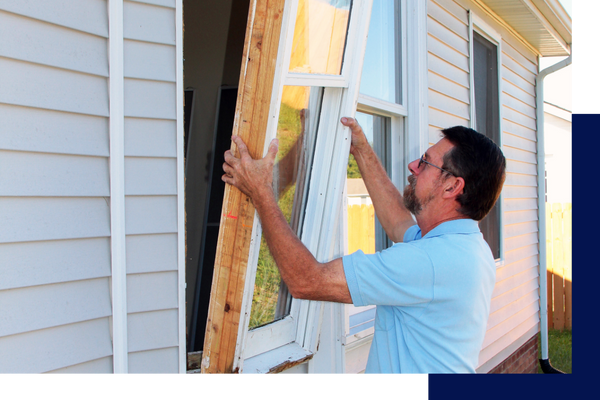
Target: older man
<point x="433" y="287"/>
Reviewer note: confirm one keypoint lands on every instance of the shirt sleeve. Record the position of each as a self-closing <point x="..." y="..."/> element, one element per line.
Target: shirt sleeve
<point x="400" y="275"/>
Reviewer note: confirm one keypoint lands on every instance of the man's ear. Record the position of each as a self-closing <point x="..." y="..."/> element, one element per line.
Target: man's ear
<point x="453" y="187"/>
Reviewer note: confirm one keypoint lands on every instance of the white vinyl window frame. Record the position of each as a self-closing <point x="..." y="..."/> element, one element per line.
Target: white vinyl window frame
<point x="397" y="113"/>
<point x="295" y="337"/>
<point x="477" y="24"/>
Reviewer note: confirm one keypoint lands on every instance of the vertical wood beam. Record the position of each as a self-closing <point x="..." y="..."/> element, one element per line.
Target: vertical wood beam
<point x="251" y="116"/>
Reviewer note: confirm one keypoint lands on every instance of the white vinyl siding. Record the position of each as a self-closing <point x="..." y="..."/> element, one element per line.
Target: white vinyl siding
<point x="151" y="186"/>
<point x="515" y="303"/>
<point x="55" y="236"/>
<point x="54" y="191"/>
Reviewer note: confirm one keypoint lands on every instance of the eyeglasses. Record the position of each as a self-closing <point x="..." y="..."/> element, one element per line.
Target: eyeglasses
<point x="421" y="161"/>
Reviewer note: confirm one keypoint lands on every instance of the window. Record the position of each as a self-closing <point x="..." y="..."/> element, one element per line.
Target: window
<point x="485" y="111"/>
<point x="381" y="114"/>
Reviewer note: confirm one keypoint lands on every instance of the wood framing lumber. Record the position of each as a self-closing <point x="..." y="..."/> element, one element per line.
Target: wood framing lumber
<point x="251" y="116"/>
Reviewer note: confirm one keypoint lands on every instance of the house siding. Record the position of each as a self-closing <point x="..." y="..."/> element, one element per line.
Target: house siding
<point x="515" y="304"/>
<point x="55" y="236"/>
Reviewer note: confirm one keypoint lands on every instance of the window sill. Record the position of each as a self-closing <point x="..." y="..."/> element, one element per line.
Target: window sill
<point x="277" y="360"/>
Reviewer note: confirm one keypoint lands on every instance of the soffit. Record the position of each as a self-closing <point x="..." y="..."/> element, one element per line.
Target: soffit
<point x="544" y="24"/>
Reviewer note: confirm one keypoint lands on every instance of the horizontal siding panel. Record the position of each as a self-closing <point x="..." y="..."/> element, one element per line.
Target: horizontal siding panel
<point x="356" y="358"/>
<point x="150" y="176"/>
<point x="31" y="129"/>
<point x="150" y="214"/>
<point x="520" y="253"/>
<point x="144" y="60"/>
<point x="148" y="23"/>
<point x="519" y="192"/>
<point x="528" y="313"/>
<point x="516" y="268"/>
<point x="61" y="346"/>
<point x="151" y="253"/>
<point x="443" y="120"/>
<point x="152" y="330"/>
<point x="518" y="93"/>
<point x="519" y="204"/>
<point x="441" y="50"/>
<point x="517" y="217"/>
<point x="448" y="104"/>
<point x="46" y="306"/>
<point x="443" y="68"/>
<point x="43" y="43"/>
<point x="42" y="263"/>
<point x="513" y="295"/>
<point x="528" y="326"/>
<point x="164" y="3"/>
<point x="161" y="361"/>
<point x="448" y="88"/>
<point x="447" y="36"/>
<point x="516" y="154"/>
<point x="520" y="167"/>
<point x="517" y="81"/>
<point x="519" y="142"/>
<point x="517" y="68"/>
<point x="517" y="117"/>
<point x="513" y="179"/>
<point x="512" y="308"/>
<point x="520" y="241"/>
<point x="454" y="9"/>
<point x="518" y="105"/>
<point x="448" y="20"/>
<point x="41" y="174"/>
<point x="25" y="219"/>
<point x="520" y="229"/>
<point x="101" y="366"/>
<point x="150" y="99"/>
<point x="518" y="130"/>
<point x="519" y="58"/>
<point x="152" y="291"/>
<point x="88" y="16"/>
<point x="150" y="138"/>
<point x="51" y="88"/>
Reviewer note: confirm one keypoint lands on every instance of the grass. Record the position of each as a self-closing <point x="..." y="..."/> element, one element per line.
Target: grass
<point x="559" y="350"/>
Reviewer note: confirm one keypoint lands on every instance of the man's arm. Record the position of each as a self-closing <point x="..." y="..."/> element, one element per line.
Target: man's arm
<point x="387" y="200"/>
<point x="304" y="276"/>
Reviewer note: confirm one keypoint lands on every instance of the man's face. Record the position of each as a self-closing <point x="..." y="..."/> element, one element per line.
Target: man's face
<point x="425" y="179"/>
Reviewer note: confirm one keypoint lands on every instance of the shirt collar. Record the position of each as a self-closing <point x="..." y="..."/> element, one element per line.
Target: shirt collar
<point x="464" y="226"/>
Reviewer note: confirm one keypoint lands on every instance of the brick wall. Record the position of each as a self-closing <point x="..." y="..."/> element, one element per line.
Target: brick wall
<point x="523" y="361"/>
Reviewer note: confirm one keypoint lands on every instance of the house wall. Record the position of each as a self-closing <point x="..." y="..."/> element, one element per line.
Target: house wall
<point x="55" y="236"/>
<point x="514" y="309"/>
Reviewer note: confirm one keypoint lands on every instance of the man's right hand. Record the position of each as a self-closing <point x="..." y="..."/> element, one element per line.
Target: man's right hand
<point x="359" y="140"/>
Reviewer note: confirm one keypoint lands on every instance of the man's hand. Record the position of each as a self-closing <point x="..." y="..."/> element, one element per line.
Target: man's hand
<point x="252" y="177"/>
<point x="359" y="140"/>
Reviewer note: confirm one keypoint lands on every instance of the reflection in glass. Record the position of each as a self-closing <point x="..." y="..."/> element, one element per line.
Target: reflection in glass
<point x="296" y="131"/>
<point x="381" y="70"/>
<point x="320" y="36"/>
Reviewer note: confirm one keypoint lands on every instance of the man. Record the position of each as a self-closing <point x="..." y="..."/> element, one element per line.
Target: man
<point x="433" y="287"/>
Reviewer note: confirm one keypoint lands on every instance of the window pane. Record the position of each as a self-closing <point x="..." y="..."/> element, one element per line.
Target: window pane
<point x="487" y="120"/>
<point x="381" y="69"/>
<point x="364" y="231"/>
<point x="296" y="131"/>
<point x="320" y="36"/>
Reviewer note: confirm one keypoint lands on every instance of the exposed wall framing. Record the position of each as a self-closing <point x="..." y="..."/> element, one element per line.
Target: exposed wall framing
<point x="251" y="117"/>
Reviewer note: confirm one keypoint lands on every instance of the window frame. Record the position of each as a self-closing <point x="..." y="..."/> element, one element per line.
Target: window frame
<point x="477" y="24"/>
<point x="399" y="154"/>
<point x="295" y="337"/>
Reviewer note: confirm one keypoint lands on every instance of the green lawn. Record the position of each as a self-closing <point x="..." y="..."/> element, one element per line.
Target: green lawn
<point x="559" y="350"/>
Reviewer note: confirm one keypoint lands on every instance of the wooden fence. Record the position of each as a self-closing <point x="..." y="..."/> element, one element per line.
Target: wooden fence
<point x="558" y="264"/>
<point x="361" y="228"/>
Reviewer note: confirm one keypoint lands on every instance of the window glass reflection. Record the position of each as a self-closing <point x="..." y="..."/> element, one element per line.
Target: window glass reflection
<point x="296" y="131"/>
<point x="320" y="36"/>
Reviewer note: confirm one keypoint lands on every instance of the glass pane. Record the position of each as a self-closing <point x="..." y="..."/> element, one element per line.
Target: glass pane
<point x="364" y="231"/>
<point x="381" y="69"/>
<point x="320" y="36"/>
<point x="296" y="131"/>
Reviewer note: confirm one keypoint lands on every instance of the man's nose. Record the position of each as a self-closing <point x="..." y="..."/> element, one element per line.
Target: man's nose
<point x="413" y="167"/>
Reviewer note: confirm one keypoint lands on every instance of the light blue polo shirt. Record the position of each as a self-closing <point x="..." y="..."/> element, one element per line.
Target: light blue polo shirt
<point x="433" y="297"/>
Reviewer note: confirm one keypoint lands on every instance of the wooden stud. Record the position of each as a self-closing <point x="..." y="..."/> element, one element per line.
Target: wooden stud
<point x="233" y="245"/>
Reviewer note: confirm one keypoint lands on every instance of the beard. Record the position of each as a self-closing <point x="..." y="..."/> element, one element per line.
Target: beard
<point x="411" y="201"/>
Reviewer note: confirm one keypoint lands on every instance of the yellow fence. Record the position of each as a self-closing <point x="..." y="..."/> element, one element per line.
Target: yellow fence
<point x="558" y="264"/>
<point x="361" y="228"/>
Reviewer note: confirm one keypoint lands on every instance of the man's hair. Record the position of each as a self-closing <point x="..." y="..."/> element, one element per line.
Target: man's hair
<point x="480" y="162"/>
